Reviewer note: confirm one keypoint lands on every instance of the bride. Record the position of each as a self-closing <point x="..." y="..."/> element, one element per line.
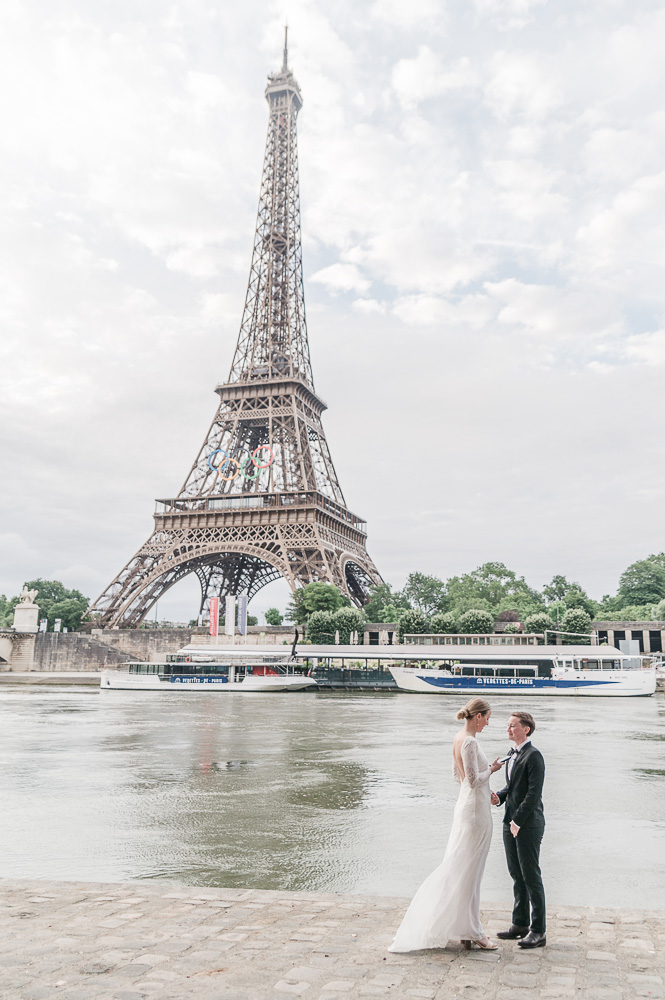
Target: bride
<point x="447" y="905"/>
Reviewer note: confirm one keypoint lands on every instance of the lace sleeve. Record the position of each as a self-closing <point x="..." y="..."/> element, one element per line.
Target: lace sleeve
<point x="472" y="765"/>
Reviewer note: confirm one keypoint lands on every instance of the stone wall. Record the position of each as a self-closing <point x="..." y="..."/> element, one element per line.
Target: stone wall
<point x="72" y="651"/>
<point x="104" y="649"/>
<point x="147" y="644"/>
<point x="16" y="650"/>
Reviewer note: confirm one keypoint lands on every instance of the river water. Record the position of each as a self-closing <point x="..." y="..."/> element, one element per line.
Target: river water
<point x="339" y="792"/>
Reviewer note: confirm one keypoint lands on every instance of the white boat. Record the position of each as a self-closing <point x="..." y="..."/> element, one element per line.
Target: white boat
<point x="193" y="668"/>
<point x="591" y="671"/>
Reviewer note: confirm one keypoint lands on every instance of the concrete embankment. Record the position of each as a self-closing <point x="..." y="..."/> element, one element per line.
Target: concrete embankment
<point x="111" y="941"/>
<point x="51" y="678"/>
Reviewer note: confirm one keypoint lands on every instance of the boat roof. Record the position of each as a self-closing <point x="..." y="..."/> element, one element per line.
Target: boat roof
<point x="404" y="652"/>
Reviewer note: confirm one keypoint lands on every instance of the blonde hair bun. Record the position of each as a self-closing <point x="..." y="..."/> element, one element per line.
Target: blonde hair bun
<point x="477" y="706"/>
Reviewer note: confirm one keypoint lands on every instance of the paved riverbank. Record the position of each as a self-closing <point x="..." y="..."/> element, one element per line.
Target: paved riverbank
<point x="108" y="941"/>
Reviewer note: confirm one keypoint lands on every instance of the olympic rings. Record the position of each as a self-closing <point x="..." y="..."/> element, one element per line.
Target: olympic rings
<point x="240" y="466"/>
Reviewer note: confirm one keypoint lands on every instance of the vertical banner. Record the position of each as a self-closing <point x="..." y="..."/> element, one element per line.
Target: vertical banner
<point x="214" y="615"/>
<point x="43" y="622"/>
<point x="242" y="614"/>
<point x="230" y="626"/>
<point x="57" y="624"/>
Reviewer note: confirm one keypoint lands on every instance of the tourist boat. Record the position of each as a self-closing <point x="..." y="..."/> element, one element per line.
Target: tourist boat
<point x="597" y="671"/>
<point x="193" y="668"/>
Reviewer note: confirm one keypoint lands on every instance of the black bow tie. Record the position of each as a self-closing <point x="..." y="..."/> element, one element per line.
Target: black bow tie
<point x="513" y="751"/>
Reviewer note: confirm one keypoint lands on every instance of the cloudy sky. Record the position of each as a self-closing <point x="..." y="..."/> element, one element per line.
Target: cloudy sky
<point x="483" y="200"/>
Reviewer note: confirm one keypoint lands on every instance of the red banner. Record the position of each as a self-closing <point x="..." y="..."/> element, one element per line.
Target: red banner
<point x="214" y="615"/>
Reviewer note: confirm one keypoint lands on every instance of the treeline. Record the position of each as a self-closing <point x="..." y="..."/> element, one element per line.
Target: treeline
<point x="472" y="602"/>
<point x="477" y="601"/>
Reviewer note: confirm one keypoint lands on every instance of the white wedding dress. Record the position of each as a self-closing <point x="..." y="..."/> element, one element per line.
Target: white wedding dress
<point x="447" y="905"/>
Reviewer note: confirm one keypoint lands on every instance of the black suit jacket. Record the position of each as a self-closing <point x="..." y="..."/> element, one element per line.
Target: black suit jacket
<point x="523" y="792"/>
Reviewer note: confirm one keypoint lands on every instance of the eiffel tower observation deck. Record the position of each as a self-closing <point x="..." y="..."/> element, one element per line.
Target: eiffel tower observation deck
<point x="262" y="500"/>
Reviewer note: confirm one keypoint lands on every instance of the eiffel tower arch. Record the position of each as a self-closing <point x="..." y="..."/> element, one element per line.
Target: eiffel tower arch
<point x="262" y="500"/>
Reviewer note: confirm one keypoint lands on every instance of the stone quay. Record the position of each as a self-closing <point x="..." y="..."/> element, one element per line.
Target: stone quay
<point x="127" y="941"/>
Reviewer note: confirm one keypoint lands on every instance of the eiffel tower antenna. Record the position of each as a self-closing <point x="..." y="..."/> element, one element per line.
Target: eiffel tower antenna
<point x="285" y="61"/>
<point x="262" y="499"/>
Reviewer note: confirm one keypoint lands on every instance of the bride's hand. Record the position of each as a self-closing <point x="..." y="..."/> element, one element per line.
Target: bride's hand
<point x="496" y="765"/>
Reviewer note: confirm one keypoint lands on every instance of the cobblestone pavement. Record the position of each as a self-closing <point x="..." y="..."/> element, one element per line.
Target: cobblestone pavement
<point x="111" y="941"/>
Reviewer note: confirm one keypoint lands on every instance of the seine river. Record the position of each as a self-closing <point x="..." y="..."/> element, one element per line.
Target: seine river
<point x="339" y="792"/>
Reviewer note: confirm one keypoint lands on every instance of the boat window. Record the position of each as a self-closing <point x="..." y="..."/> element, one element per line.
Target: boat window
<point x="526" y="672"/>
<point x="506" y="672"/>
<point x="589" y="664"/>
<point x="468" y="671"/>
<point x="485" y="671"/>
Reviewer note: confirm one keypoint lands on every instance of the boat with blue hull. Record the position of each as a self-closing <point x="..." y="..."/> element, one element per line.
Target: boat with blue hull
<point x="591" y="671"/>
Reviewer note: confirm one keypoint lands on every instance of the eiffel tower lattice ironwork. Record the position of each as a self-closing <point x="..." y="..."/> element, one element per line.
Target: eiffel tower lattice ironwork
<point x="262" y="500"/>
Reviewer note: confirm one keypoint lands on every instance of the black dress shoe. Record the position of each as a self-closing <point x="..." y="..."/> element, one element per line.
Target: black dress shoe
<point x="533" y="940"/>
<point x="513" y="932"/>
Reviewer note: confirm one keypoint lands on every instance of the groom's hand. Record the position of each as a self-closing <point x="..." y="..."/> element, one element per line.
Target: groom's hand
<point x="514" y="828"/>
<point x="494" y="799"/>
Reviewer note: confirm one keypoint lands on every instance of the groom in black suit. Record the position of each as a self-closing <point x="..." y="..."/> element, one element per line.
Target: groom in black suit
<point x="523" y="829"/>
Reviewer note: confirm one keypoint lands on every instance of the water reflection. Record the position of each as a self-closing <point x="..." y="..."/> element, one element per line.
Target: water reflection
<point x="342" y="792"/>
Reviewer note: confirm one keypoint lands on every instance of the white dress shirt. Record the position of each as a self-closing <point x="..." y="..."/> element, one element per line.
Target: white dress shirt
<point x="511" y="763"/>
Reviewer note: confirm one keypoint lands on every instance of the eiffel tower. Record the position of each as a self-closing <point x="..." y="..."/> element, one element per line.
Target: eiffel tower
<point x="262" y="500"/>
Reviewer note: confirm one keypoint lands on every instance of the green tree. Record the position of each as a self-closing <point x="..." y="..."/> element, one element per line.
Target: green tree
<point x="443" y="621"/>
<point x="491" y="587"/>
<point x="540" y="622"/>
<point x="555" y="590"/>
<point x="512" y="628"/>
<point x="475" y="620"/>
<point x="391" y="613"/>
<point x="314" y="597"/>
<point x="57" y="601"/>
<point x="7" y="610"/>
<point x="576" y="597"/>
<point x="631" y="613"/>
<point x="320" y="628"/>
<point x="70" y="612"/>
<point x="274" y="616"/>
<point x="643" y="582"/>
<point x="658" y="611"/>
<point x="411" y="622"/>
<point x="348" y="620"/>
<point x="576" y="624"/>
<point x="425" y="593"/>
<point x="382" y="603"/>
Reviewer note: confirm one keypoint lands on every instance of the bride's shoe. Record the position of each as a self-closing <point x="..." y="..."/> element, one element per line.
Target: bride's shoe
<point x="484" y="944"/>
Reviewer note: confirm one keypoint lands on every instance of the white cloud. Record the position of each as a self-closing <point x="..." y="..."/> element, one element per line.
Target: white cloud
<point x="415" y="80"/>
<point x="342" y="278"/>
<point x="416" y="13"/>
<point x="521" y="86"/>
<point x="508" y="14"/>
